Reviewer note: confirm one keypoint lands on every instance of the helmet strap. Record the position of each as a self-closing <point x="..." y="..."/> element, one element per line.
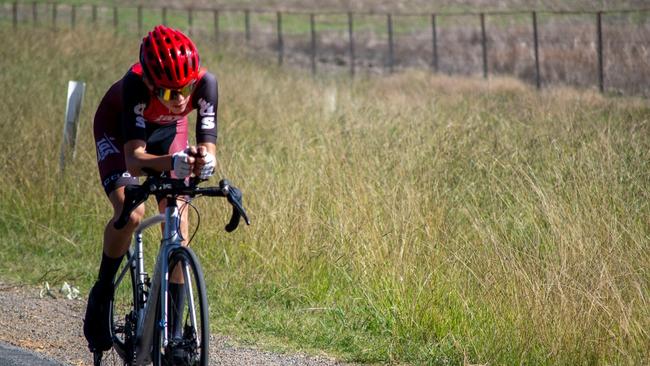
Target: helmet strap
<point x="147" y="82"/>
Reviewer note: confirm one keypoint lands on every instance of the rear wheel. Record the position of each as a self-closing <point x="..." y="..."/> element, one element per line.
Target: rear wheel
<point x="123" y="318"/>
<point x="187" y="320"/>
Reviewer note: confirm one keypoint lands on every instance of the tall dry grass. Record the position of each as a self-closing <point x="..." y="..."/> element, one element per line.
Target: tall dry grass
<point x="410" y="218"/>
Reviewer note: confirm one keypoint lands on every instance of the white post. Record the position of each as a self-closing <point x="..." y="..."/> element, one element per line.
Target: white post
<point x="75" y="97"/>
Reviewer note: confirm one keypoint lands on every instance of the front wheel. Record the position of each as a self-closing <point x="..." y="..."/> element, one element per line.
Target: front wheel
<point x="188" y="330"/>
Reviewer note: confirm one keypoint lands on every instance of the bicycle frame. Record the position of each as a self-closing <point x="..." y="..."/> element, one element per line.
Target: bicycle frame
<point x="150" y="299"/>
<point x="145" y="308"/>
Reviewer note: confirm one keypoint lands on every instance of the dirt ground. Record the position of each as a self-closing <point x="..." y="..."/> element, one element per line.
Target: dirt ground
<point x="53" y="327"/>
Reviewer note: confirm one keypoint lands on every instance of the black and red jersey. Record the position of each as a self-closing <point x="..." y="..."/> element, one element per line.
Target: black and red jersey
<point x="130" y="111"/>
<point x="141" y="107"/>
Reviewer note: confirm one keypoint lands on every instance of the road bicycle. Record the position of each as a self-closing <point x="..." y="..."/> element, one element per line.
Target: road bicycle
<point x="150" y="323"/>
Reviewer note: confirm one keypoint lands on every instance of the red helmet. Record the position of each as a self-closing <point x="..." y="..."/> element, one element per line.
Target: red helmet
<point x="169" y="58"/>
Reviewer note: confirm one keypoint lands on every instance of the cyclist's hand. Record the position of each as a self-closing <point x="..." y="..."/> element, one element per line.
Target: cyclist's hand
<point x="182" y="163"/>
<point x="205" y="163"/>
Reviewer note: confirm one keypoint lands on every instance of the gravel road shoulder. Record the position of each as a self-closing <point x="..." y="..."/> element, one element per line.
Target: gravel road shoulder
<point x="52" y="327"/>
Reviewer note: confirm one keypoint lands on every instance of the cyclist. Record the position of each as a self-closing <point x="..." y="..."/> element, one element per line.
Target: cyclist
<point x="141" y="127"/>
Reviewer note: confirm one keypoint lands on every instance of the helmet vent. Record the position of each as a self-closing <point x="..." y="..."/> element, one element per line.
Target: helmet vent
<point x="169" y="73"/>
<point x="170" y="57"/>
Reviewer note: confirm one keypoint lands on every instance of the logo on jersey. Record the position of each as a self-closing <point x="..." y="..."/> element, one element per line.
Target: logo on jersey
<point x="115" y="177"/>
<point x="164" y="118"/>
<point x="139" y="111"/>
<point x="105" y="147"/>
<point x="206" y="114"/>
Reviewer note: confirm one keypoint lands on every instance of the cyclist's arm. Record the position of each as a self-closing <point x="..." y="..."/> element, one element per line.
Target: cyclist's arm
<point x="135" y="98"/>
<point x="138" y="161"/>
<point x="205" y="100"/>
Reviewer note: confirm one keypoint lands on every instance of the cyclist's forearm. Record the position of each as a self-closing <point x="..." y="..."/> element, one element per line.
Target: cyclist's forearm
<point x="137" y="159"/>
<point x="211" y="147"/>
<point x="141" y="161"/>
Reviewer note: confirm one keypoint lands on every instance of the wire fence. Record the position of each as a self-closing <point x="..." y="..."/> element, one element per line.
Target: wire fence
<point x="608" y="50"/>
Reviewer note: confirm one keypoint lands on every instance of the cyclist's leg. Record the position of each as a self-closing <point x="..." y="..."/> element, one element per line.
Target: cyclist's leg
<point x="116" y="242"/>
<point x="112" y="170"/>
<point x="113" y="174"/>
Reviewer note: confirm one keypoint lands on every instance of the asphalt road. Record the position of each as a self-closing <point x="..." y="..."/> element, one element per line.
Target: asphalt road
<point x="14" y="356"/>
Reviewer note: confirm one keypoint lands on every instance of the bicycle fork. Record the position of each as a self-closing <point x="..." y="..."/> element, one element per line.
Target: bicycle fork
<point x="159" y="286"/>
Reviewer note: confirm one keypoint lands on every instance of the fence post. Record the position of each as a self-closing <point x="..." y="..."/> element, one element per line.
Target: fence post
<point x="14" y="11"/>
<point x="280" y="41"/>
<point x="484" y="46"/>
<point x="247" y="24"/>
<point x="190" y="20"/>
<point x="538" y="78"/>
<point x="163" y="15"/>
<point x="139" y="19"/>
<point x="215" y="14"/>
<point x="351" y="36"/>
<point x="54" y="5"/>
<point x="434" y="45"/>
<point x="34" y="11"/>
<point x="601" y="66"/>
<point x="389" y="20"/>
<point x="312" y="25"/>
<point x="115" y="20"/>
<point x="94" y="13"/>
<point x="70" y="131"/>
<point x="73" y="16"/>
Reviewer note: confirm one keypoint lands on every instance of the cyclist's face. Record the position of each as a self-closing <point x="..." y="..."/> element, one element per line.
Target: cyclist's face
<point x="174" y="99"/>
<point x="176" y="104"/>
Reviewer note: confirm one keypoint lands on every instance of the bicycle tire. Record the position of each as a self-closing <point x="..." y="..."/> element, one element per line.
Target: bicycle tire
<point x="196" y="334"/>
<point x="122" y="318"/>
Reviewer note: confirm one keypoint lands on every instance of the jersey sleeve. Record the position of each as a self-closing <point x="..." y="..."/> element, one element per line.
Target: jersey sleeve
<point x="205" y="101"/>
<point x="135" y="97"/>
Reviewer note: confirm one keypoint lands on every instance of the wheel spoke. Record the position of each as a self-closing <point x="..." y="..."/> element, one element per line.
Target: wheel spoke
<point x="193" y="347"/>
<point x="192" y="307"/>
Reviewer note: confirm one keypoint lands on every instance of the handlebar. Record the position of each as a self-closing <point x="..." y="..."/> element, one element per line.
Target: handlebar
<point x="137" y="194"/>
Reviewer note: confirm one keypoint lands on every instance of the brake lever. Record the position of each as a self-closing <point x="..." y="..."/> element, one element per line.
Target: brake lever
<point x="234" y="196"/>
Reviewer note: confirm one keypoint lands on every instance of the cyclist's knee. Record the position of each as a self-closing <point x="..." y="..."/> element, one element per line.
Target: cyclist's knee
<point x="134" y="219"/>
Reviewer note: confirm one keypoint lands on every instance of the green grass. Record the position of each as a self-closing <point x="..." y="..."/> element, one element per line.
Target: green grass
<point x="409" y="219"/>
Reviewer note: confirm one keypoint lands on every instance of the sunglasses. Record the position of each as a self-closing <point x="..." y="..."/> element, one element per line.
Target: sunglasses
<point x="169" y="94"/>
